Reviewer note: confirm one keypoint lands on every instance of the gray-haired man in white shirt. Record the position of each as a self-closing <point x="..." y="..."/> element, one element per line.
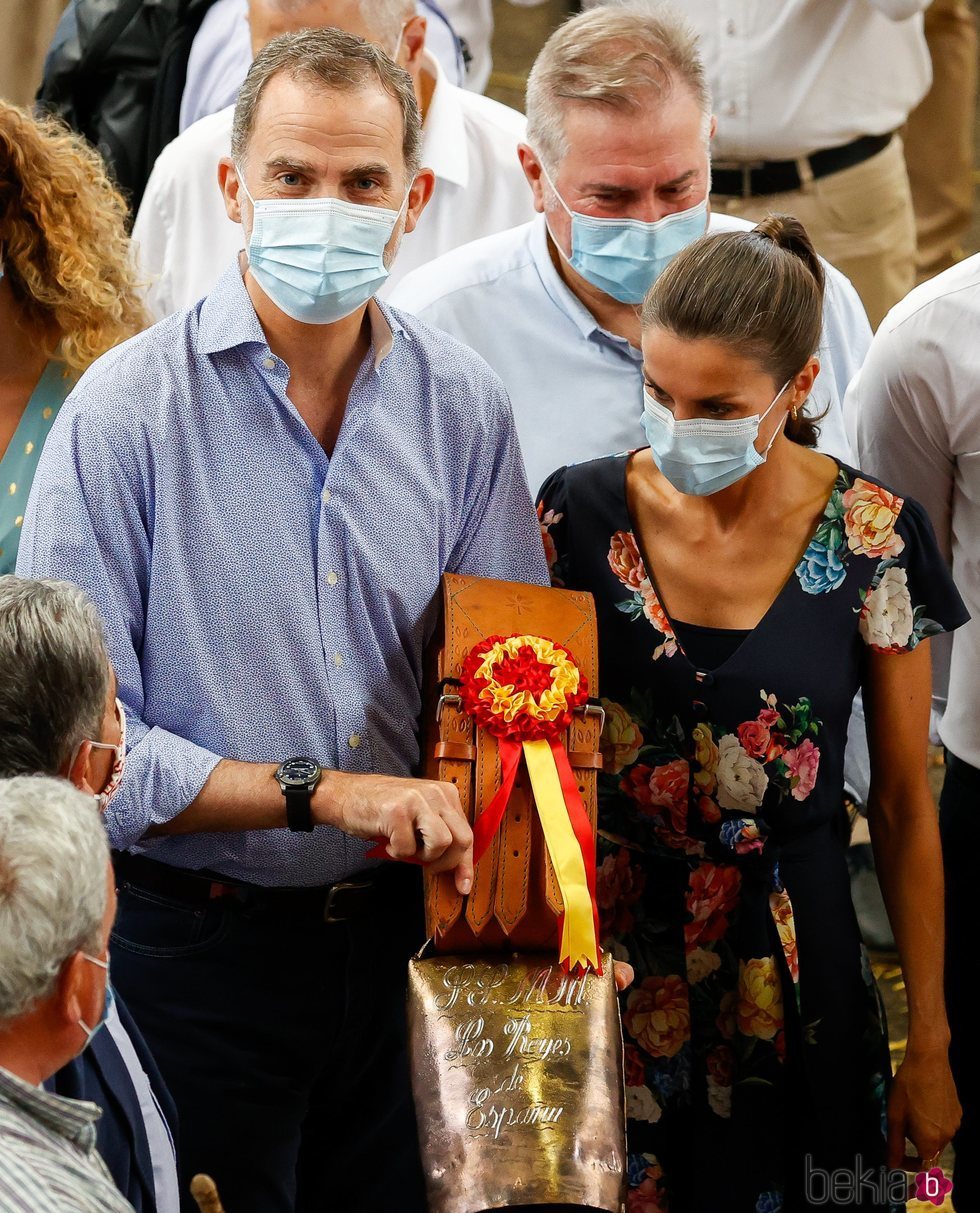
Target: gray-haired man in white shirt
<point x="185" y="239"/>
<point x="915" y="413"/>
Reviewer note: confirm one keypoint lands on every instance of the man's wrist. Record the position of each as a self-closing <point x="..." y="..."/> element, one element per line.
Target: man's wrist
<point x="327" y="797"/>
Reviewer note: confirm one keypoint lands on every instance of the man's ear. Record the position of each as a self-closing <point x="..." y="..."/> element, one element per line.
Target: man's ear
<point x="418" y="197"/>
<point x="79" y="772"/>
<point x="71" y="1001"/>
<point x="230" y="185"/>
<point x="413" y="40"/>
<point x="534" y="174"/>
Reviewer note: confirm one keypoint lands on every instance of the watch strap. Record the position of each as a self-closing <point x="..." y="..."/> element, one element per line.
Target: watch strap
<point x="299" y="815"/>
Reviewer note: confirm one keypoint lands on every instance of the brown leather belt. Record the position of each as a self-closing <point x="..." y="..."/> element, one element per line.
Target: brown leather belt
<point x="753" y="180"/>
<point x="362" y="895"/>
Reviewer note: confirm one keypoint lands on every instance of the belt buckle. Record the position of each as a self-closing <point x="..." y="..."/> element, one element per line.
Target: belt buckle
<point x="333" y="902"/>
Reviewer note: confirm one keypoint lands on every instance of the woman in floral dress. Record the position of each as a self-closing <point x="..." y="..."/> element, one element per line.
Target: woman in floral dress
<point x="747" y="587"/>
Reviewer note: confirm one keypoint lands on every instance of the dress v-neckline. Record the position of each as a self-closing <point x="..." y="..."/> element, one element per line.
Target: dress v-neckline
<point x="750" y="633"/>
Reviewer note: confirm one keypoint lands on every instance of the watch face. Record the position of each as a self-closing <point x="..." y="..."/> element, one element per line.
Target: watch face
<point x="298" y="772"/>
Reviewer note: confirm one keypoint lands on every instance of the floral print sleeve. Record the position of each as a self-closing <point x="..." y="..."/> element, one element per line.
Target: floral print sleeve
<point x="905" y="591"/>
<point x="910" y="595"/>
<point x="552" y="513"/>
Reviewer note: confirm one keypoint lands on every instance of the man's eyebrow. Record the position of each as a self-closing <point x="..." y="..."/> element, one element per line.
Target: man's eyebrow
<point x="287" y="164"/>
<point x="667" y="185"/>
<point x="368" y="170"/>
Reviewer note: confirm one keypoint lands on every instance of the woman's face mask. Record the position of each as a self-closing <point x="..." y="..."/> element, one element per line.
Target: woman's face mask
<point x="701" y="456"/>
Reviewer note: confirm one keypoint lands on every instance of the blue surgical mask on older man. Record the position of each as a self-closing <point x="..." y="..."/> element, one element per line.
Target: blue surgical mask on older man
<point x="625" y="257"/>
<point x="318" y="259"/>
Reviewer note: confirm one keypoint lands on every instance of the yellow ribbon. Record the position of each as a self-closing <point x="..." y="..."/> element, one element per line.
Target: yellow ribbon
<point x="578" y="941"/>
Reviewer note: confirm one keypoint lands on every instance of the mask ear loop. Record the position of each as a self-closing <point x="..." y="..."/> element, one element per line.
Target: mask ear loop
<point x="782" y="423"/>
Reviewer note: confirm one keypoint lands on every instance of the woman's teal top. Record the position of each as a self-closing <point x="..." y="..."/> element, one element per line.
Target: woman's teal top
<point x="20" y="461"/>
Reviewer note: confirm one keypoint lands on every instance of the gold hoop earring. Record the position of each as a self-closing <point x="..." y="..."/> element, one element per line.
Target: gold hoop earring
<point x="795" y="412"/>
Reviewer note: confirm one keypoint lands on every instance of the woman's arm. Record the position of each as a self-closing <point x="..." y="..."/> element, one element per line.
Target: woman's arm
<point x="905" y="836"/>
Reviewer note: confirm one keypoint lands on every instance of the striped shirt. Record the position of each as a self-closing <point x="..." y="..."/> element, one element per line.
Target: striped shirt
<point x="48" y="1160"/>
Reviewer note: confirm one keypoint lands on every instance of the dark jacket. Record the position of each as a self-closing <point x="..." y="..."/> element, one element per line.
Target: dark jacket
<point x="115" y="72"/>
<point x="100" y="1076"/>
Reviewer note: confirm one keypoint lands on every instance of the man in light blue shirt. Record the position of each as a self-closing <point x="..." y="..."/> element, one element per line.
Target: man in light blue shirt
<point x="619" y="121"/>
<point x="261" y="495"/>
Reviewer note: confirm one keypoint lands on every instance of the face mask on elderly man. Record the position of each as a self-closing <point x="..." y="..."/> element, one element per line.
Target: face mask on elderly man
<point x="624" y="257"/>
<point x="318" y="259"/>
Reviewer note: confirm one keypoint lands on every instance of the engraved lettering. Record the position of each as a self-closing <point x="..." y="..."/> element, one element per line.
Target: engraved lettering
<point x="470" y="1041"/>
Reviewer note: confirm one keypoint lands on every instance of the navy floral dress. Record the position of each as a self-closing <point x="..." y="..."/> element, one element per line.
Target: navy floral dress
<point x="756" y="1048"/>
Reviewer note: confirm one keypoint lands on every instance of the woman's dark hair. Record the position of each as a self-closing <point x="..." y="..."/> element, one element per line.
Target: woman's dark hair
<point x="760" y="292"/>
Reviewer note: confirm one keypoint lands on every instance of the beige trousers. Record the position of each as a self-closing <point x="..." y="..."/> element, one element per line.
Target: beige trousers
<point x="26" y="29"/>
<point x="859" y="219"/>
<point x="939" y="138"/>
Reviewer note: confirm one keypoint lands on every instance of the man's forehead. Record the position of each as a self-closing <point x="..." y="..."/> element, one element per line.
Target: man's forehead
<point x="303" y="119"/>
<point x="661" y="133"/>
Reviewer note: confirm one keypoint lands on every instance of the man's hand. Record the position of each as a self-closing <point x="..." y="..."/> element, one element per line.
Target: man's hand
<point x="623" y="975"/>
<point x="420" y="818"/>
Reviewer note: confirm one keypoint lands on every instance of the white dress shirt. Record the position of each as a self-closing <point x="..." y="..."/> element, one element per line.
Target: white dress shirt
<point x="185" y="240"/>
<point x="914" y="415"/>
<point x="220" y="57"/>
<point x="792" y="77"/>
<point x="577" y="390"/>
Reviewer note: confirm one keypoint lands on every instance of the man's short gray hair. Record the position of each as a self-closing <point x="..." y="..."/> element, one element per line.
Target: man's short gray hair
<point x="53" y="886"/>
<point x="328" y="59"/>
<point x="54" y="674"/>
<point x="613" y="56"/>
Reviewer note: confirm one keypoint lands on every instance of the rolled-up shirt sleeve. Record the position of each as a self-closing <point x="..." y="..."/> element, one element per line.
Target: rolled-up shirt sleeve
<point x="89" y="521"/>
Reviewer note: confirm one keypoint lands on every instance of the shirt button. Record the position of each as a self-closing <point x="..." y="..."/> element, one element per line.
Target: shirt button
<point x="325" y="495"/>
<point x="332" y="578"/>
<point x="354" y="740"/>
<point x="338" y="659"/>
<point x="268" y="363"/>
<point x="730" y="29"/>
<point x="732" y="109"/>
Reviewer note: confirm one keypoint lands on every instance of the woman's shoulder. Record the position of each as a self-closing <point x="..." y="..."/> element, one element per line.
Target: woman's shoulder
<point x="595" y="483"/>
<point x="870" y="505"/>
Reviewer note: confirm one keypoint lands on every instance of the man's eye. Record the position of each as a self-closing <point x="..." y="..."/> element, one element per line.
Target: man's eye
<point x="366" y="183"/>
<point x="714" y="410"/>
<point x="289" y="179"/>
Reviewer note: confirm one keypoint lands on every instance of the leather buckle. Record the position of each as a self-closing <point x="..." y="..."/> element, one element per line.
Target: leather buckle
<point x="446" y="696"/>
<point x="594" y="708"/>
<point x="347" y="899"/>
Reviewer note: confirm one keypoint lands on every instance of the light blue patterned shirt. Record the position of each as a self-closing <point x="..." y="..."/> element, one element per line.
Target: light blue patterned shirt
<point x="260" y="599"/>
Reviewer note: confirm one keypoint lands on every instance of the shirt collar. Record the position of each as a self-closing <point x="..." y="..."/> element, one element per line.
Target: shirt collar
<point x="228" y="320"/>
<point x="73" y="1119"/>
<point x="562" y="296"/>
<point x="444" y="146"/>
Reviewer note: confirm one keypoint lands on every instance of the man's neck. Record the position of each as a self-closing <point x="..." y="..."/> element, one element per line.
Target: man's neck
<point x="425" y="86"/>
<point x="25" y="1052"/>
<point x="620" y="319"/>
<point x="323" y="360"/>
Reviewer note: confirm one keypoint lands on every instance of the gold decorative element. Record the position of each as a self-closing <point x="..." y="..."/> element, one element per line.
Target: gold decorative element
<point x="12" y="489"/>
<point x="28" y="448"/>
<point x="47" y="413"/>
<point x="19" y="520"/>
<point x="517" y="1070"/>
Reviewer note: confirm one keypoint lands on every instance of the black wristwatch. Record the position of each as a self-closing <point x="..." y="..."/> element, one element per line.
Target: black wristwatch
<point x="298" y="778"/>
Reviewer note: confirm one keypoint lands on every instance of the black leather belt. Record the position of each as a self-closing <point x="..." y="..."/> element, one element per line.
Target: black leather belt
<point x="364" y="894"/>
<point x="756" y="179"/>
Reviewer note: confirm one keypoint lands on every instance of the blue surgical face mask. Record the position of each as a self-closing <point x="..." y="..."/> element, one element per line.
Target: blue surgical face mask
<point x="624" y="257"/>
<point x="106" y="1005"/>
<point x="318" y="259"/>
<point x="701" y="456"/>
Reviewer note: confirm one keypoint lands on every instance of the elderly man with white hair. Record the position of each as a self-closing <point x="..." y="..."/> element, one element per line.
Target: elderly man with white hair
<point x="184" y="235"/>
<point x="57" y="904"/>
<point x="617" y="159"/>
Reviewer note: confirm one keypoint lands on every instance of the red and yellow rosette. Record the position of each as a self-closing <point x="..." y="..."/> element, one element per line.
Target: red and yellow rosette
<point x="523" y="690"/>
